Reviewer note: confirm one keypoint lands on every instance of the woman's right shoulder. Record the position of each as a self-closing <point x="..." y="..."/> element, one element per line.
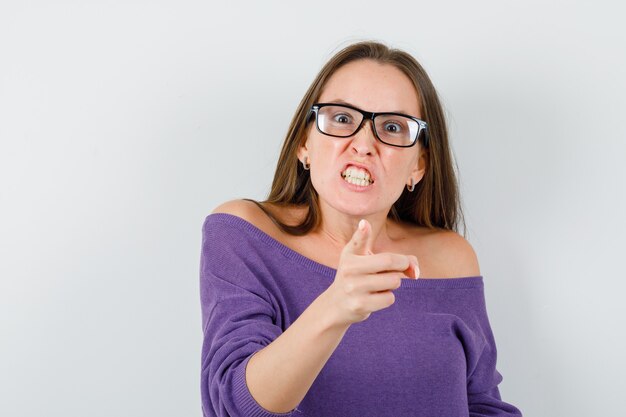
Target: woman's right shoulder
<point x="250" y="212"/>
<point x="245" y="209"/>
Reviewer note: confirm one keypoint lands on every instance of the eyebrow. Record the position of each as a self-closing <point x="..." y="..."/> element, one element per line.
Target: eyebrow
<point x="340" y="101"/>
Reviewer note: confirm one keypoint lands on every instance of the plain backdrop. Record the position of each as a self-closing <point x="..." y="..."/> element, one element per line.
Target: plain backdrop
<point x="124" y="123"/>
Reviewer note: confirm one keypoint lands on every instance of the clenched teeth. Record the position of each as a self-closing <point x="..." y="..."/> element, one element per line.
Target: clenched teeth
<point x="357" y="181"/>
<point x="357" y="176"/>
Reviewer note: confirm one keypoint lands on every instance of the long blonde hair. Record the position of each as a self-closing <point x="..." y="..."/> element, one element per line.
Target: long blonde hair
<point x="434" y="203"/>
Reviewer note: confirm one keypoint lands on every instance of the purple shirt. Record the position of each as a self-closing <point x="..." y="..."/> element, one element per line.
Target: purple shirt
<point x="432" y="353"/>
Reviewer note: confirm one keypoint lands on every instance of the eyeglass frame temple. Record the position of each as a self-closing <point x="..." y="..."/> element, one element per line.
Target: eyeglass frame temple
<point x="423" y="126"/>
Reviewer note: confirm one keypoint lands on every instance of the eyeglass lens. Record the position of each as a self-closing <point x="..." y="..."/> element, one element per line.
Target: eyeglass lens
<point x="343" y="121"/>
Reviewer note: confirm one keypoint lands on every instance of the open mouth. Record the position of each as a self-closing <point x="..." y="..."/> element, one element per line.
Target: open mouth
<point x="357" y="176"/>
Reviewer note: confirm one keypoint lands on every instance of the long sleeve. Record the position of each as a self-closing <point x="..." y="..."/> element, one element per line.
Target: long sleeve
<point x="430" y="354"/>
<point x="238" y="320"/>
<point x="483" y="395"/>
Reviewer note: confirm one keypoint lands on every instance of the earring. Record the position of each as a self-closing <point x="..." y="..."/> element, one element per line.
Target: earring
<point x="305" y="164"/>
<point x="411" y="187"/>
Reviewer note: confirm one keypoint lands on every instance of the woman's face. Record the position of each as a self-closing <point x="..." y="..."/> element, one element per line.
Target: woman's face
<point x="373" y="87"/>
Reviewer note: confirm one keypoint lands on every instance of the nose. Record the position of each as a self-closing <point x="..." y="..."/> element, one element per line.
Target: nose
<point x="364" y="140"/>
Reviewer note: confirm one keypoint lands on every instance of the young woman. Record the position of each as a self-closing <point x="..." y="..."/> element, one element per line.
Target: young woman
<point x="310" y="301"/>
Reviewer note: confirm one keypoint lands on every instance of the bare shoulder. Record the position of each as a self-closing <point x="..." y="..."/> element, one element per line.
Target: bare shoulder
<point x="245" y="209"/>
<point x="443" y="253"/>
<point x="453" y="254"/>
<point x="252" y="213"/>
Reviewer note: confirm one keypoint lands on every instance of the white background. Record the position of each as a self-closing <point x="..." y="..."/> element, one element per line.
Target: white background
<point x="124" y="123"/>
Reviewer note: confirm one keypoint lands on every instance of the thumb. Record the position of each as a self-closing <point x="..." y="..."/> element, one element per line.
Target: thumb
<point x="360" y="244"/>
<point x="413" y="271"/>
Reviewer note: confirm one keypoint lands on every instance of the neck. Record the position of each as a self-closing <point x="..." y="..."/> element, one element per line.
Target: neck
<point x="338" y="227"/>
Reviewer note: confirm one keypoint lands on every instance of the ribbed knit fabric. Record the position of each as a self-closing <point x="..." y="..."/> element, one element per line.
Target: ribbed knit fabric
<point x="430" y="354"/>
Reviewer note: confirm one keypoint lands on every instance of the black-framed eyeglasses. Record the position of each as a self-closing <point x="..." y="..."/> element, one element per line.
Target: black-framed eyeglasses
<point x="342" y="121"/>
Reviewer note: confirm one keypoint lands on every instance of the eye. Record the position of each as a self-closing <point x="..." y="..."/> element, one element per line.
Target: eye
<point x="342" y="118"/>
<point x="393" y="127"/>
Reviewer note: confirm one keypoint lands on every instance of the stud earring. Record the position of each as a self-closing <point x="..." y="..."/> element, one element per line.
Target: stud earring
<point x="411" y="187"/>
<point x="305" y="164"/>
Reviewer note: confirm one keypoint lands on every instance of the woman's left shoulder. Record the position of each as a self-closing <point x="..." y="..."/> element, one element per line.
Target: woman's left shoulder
<point x="444" y="253"/>
<point x="454" y="254"/>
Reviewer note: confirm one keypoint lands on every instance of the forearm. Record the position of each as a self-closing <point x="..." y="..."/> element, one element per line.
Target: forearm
<point x="280" y="375"/>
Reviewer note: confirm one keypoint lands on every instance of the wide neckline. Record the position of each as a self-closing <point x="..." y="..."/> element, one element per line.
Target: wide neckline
<point x="329" y="272"/>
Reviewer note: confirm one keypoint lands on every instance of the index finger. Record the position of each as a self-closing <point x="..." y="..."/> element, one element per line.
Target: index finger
<point x="361" y="241"/>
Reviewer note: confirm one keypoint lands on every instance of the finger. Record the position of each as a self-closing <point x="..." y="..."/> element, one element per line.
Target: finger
<point x="369" y="242"/>
<point x="385" y="281"/>
<point x="373" y="283"/>
<point x="381" y="262"/>
<point x="381" y="300"/>
<point x="360" y="243"/>
<point x="413" y="271"/>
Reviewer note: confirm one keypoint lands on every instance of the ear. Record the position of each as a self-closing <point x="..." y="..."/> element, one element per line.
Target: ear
<point x="302" y="152"/>
<point x="420" y="166"/>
